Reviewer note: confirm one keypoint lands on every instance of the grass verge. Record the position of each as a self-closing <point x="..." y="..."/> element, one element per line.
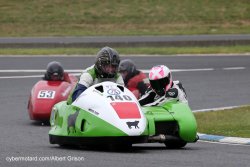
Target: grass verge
<point x="230" y="122"/>
<point x="141" y="17"/>
<point x="139" y="50"/>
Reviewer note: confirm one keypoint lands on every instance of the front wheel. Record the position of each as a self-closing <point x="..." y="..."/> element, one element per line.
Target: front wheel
<point x="120" y="147"/>
<point x="175" y="144"/>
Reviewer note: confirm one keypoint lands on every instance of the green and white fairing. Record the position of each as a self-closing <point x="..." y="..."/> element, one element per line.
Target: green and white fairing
<point x="108" y="113"/>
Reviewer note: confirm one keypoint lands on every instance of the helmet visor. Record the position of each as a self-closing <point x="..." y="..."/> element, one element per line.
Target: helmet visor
<point x="109" y="69"/>
<point x="55" y="76"/>
<point x="122" y="68"/>
<point x="160" y="85"/>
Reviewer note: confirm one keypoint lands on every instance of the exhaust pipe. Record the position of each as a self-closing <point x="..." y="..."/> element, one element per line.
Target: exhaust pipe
<point x="160" y="138"/>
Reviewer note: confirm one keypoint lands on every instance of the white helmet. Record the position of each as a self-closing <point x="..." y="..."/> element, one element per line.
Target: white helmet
<point x="160" y="78"/>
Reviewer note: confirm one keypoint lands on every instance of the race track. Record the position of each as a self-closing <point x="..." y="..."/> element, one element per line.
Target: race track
<point x="210" y="82"/>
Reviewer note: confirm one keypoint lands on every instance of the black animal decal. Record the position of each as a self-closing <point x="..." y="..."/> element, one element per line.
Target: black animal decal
<point x="72" y="122"/>
<point x="131" y="124"/>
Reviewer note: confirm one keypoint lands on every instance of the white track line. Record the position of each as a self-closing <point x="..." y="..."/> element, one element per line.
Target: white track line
<point x="32" y="70"/>
<point x="234" y="68"/>
<point x="20" y="77"/>
<point x="215" y="109"/>
<point x="29" y="76"/>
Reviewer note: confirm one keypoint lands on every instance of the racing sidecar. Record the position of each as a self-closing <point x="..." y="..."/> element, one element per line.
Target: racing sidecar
<point x="109" y="114"/>
<point x="45" y="94"/>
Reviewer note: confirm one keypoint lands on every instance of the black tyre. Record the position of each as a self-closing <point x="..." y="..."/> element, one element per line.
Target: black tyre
<point x="120" y="147"/>
<point x="51" y="140"/>
<point x="175" y="144"/>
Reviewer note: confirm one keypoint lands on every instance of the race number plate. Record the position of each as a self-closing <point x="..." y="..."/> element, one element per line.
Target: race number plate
<point x="46" y="94"/>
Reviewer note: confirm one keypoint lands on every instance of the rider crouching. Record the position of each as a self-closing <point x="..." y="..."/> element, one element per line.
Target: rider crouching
<point x="104" y="69"/>
<point x="162" y="88"/>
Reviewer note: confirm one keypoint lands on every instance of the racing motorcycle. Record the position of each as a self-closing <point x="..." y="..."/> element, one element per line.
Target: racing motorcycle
<point x="109" y="114"/>
<point x="45" y="94"/>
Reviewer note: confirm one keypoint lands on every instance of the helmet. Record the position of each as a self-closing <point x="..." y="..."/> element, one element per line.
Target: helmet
<point x="160" y="78"/>
<point x="107" y="62"/>
<point x="54" y="71"/>
<point x="127" y="69"/>
<point x="127" y="65"/>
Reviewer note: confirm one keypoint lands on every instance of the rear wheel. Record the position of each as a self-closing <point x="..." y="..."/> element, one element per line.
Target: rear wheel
<point x="51" y="140"/>
<point x="121" y="147"/>
<point x="175" y="144"/>
<point x="68" y="146"/>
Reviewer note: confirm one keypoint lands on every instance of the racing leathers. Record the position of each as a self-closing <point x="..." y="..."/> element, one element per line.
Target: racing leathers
<point x="138" y="84"/>
<point x="176" y="91"/>
<point x="88" y="78"/>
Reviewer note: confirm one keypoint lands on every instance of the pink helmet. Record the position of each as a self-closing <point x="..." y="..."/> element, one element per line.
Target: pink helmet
<point x="160" y="79"/>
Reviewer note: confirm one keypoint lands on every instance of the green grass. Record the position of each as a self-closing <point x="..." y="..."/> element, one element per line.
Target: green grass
<point x="122" y="17"/>
<point x="134" y="51"/>
<point x="230" y="122"/>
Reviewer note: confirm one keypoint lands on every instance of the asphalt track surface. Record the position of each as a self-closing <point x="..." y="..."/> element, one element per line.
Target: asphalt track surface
<point x="216" y="82"/>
